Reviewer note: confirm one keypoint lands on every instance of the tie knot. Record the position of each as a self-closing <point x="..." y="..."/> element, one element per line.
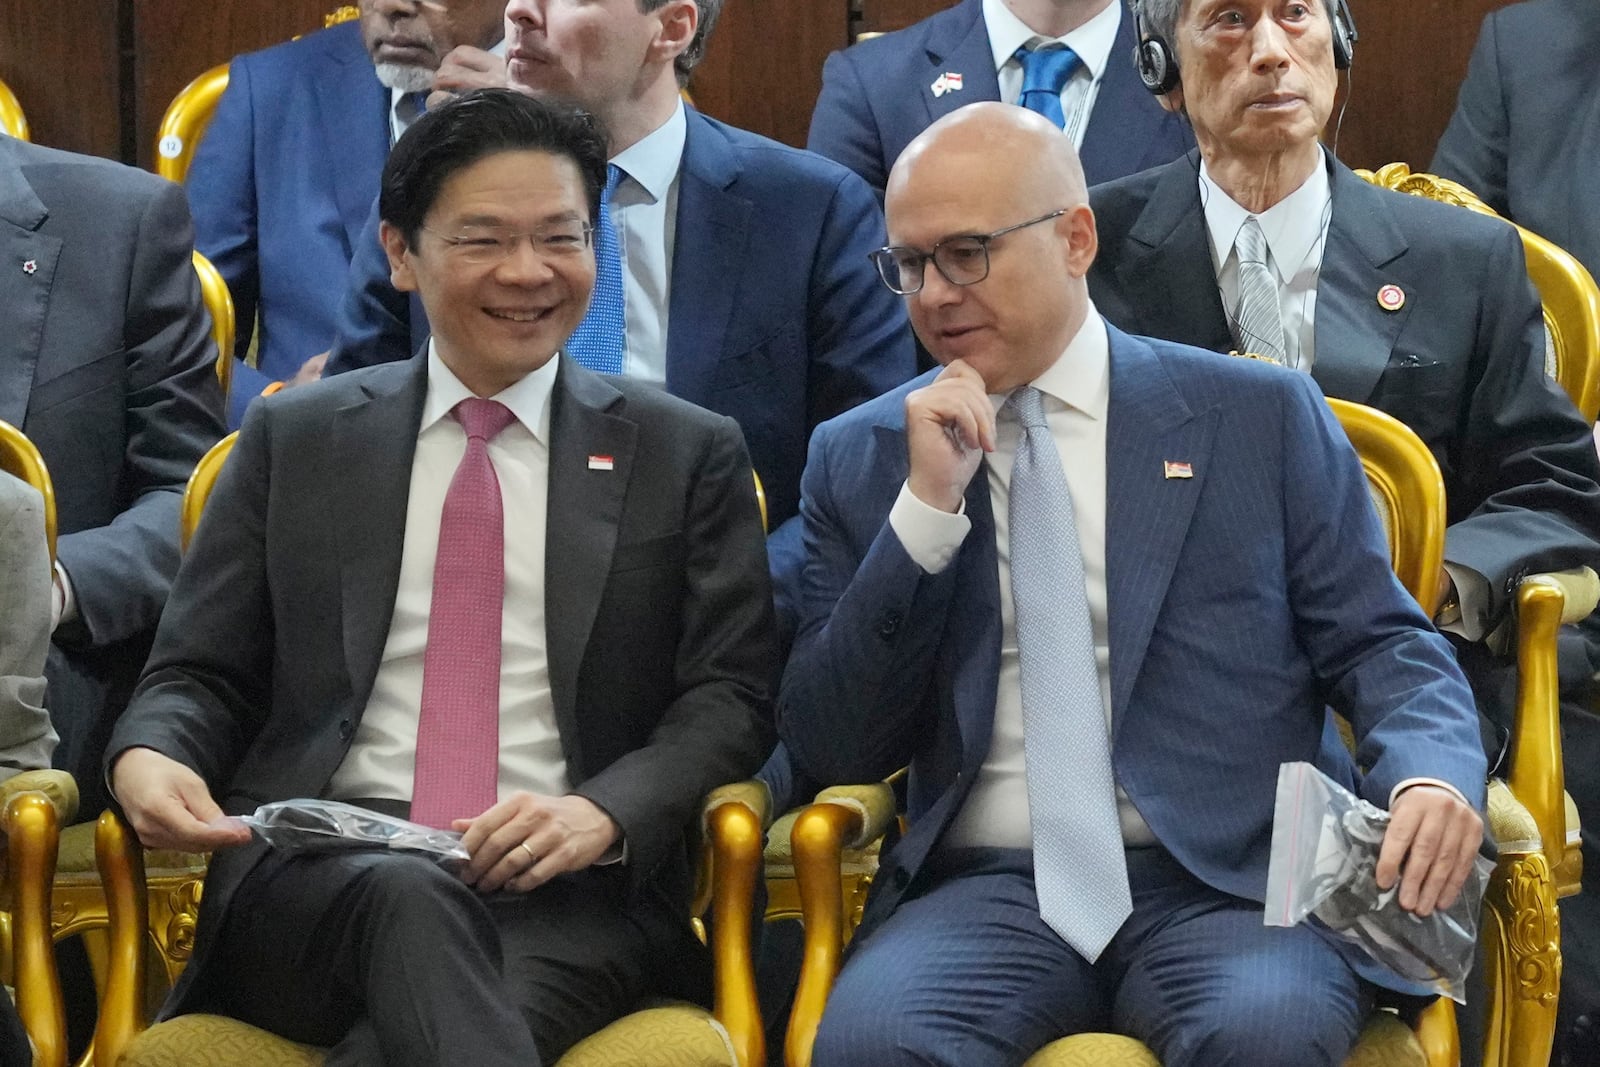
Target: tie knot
<point x="1027" y="404"/>
<point x="614" y="176"/>
<point x="1251" y="243"/>
<point x="1046" y="68"/>
<point x="483" y="419"/>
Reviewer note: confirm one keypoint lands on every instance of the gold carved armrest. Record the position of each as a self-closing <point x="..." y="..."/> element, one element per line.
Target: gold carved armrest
<point x="57" y="786"/>
<point x="735" y="819"/>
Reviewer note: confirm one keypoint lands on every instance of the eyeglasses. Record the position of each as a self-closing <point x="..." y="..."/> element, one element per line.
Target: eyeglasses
<point x="490" y="245"/>
<point x="963" y="259"/>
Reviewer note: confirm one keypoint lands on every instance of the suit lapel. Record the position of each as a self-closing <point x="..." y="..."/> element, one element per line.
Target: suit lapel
<point x="1119" y="133"/>
<point x="1355" y="336"/>
<point x="27" y="292"/>
<point x="1147" y="513"/>
<point x="1167" y="272"/>
<point x="585" y="513"/>
<point x="353" y="122"/>
<point x="713" y="230"/>
<point x="960" y="45"/>
<point x="377" y="440"/>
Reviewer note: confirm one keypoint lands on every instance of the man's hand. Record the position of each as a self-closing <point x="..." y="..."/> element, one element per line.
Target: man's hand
<point x="526" y="840"/>
<point x="949" y="426"/>
<point x="168" y="804"/>
<point x="310" y="371"/>
<point x="1437" y="836"/>
<point x="464" y="68"/>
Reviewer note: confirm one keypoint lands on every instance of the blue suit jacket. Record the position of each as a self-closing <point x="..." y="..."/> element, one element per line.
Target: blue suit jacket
<point x="1242" y="601"/>
<point x="280" y="188"/>
<point x="877" y="96"/>
<point x="778" y="319"/>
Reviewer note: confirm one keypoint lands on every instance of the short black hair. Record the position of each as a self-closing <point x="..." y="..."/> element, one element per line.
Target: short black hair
<point x="474" y="126"/>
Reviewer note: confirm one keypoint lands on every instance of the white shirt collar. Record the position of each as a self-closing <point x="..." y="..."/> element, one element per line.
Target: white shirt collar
<point x="653" y="160"/>
<point x="528" y="398"/>
<point x="1081" y="376"/>
<point x="1292" y="226"/>
<point x="1092" y="41"/>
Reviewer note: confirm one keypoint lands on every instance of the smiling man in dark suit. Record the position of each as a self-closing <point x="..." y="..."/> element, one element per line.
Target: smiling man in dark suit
<point x="881" y="93"/>
<point x="486" y="586"/>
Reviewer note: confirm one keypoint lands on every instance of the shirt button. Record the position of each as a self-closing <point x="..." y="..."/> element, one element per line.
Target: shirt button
<point x="889" y="625"/>
<point x="346" y="729"/>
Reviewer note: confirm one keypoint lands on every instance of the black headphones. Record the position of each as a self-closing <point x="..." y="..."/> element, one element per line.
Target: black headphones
<point x="1158" y="63"/>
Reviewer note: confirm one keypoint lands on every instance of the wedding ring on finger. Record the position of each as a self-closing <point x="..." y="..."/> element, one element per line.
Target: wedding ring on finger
<point x="532" y="859"/>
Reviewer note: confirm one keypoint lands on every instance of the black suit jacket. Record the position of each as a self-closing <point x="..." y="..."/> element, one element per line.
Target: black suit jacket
<point x="660" y="615"/>
<point x="1526" y="132"/>
<point x="1461" y="363"/>
<point x="106" y="363"/>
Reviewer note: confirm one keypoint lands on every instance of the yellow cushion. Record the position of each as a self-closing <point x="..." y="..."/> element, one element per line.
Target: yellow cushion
<point x="77" y="855"/>
<point x="1385" y="1042"/>
<point x="215" y="1041"/>
<point x="678" y="1036"/>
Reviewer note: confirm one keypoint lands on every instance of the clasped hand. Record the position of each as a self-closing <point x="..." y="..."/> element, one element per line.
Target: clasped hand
<point x="949" y="426"/>
<point x="1433" y="837"/>
<point x="527" y="839"/>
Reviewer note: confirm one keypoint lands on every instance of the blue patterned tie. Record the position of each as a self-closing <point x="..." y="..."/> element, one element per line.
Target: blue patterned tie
<point x="1045" y="72"/>
<point x="1079" y="870"/>
<point x="598" y="341"/>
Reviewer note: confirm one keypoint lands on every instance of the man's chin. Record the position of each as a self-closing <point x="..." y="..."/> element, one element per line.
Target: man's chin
<point x="404" y="77"/>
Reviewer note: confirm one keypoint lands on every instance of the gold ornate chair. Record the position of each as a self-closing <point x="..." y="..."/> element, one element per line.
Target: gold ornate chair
<point x="219" y="303"/>
<point x="33" y="807"/>
<point x="12" y="120"/>
<point x="1569" y="294"/>
<point x="660" y="1035"/>
<point x="1527" y="814"/>
<point x="187" y="117"/>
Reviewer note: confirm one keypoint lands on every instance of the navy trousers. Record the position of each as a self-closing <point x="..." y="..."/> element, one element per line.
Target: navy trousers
<point x="967" y="974"/>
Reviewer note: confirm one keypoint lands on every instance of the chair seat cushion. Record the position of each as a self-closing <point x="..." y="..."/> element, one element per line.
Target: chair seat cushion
<point x="1385" y="1042"/>
<point x="676" y="1035"/>
<point x="215" y="1041"/>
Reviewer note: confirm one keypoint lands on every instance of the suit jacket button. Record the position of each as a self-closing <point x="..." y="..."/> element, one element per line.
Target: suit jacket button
<point x="889" y="625"/>
<point x="346" y="729"/>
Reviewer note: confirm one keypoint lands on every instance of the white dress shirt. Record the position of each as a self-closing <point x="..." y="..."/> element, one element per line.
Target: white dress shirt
<point x="1296" y="229"/>
<point x="1077" y="389"/>
<point x="1092" y="42"/>
<point x="382" y="758"/>
<point x="644" y="209"/>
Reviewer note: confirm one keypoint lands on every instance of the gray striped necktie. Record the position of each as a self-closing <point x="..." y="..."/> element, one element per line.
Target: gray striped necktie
<point x="1079" y="870"/>
<point x="1258" y="320"/>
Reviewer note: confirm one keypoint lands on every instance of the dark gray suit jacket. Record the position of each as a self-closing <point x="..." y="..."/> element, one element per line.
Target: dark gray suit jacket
<point x="1462" y="363"/>
<point x="660" y="613"/>
<point x="1526" y="132"/>
<point x="106" y="363"/>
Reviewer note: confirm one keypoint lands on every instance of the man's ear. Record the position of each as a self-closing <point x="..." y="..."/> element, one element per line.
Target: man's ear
<point x="1172" y="99"/>
<point x="1082" y="239"/>
<point x="679" y="21"/>
<point x="401" y="276"/>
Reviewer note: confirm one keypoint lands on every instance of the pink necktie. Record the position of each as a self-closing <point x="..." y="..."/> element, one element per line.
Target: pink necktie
<point x="458" y="732"/>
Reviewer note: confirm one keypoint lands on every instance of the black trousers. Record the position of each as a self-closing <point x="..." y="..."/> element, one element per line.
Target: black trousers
<point x="391" y="960"/>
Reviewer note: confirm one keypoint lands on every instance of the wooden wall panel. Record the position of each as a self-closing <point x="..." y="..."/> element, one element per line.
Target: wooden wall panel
<point x="174" y="40"/>
<point x="763" y="70"/>
<point x="881" y="16"/>
<point x="63" y="60"/>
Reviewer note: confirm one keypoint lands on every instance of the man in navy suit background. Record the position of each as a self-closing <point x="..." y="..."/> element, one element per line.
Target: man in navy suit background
<point x="1233" y="581"/>
<point x="746" y="281"/>
<point x="286" y="173"/>
<point x="881" y="93"/>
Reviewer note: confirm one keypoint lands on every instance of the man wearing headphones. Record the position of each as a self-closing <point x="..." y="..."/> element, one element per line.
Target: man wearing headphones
<point x="1261" y="242"/>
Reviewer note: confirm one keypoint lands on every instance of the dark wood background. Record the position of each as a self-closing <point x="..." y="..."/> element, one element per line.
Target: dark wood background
<point x="95" y="75"/>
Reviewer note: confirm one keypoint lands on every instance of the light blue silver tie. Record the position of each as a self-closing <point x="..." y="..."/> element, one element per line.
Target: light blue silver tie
<point x="1258" y="320"/>
<point x="1079" y="869"/>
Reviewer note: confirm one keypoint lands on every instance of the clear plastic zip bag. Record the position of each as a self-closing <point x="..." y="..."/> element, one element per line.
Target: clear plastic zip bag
<point x="324" y="825"/>
<point x="1324" y="862"/>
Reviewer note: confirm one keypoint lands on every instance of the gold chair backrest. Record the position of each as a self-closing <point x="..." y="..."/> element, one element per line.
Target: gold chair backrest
<point x="1570" y="296"/>
<point x="1407" y="491"/>
<point x="219" y="302"/>
<point x="20" y="458"/>
<point x="198" y="491"/>
<point x="185" y="123"/>
<point x="12" y="120"/>
<point x="761" y="500"/>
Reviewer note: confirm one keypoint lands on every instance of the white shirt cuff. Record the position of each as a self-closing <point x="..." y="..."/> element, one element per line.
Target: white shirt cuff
<point x="69" y="604"/>
<point x="931" y="537"/>
<point x="1409" y="782"/>
<point x="1472" y="591"/>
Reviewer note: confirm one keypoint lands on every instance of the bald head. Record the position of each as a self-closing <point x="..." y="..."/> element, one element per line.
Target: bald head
<point x="1011" y="179"/>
